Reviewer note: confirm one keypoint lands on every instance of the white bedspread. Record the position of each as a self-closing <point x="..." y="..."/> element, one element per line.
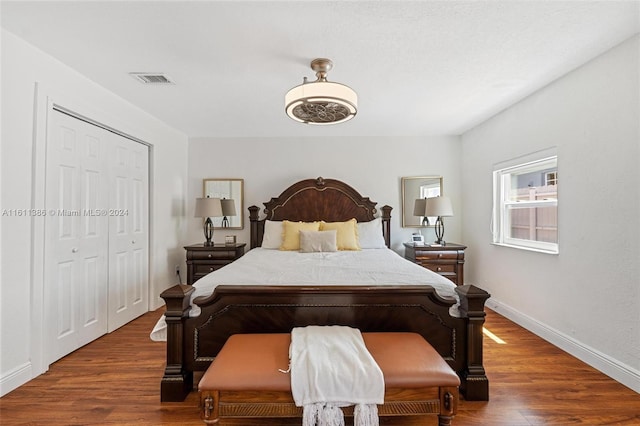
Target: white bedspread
<point x="275" y="267"/>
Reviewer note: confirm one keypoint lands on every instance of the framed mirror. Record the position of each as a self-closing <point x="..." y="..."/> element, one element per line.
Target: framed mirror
<point x="415" y="188"/>
<point x="227" y="189"/>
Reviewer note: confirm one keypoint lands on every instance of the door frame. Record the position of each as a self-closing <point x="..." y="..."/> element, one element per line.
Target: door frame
<point x="46" y="100"/>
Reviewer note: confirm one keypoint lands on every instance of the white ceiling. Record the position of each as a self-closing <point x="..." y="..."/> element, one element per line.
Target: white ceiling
<point x="419" y="67"/>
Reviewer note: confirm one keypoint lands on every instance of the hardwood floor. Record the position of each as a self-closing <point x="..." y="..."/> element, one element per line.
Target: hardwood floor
<point x="116" y="380"/>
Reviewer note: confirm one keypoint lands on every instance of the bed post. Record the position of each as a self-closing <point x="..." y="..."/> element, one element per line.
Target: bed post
<point x="177" y="382"/>
<point x="253" y="223"/>
<point x="475" y="384"/>
<point x="386" y="224"/>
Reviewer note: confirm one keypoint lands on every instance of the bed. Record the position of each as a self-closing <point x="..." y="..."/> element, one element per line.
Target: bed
<point x="196" y="328"/>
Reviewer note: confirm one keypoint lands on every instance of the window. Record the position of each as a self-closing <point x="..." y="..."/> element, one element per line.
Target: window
<point x="551" y="178"/>
<point x="526" y="205"/>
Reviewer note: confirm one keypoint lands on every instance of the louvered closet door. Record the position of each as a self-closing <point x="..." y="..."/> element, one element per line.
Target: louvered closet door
<point x="128" y="231"/>
<point x="76" y="240"/>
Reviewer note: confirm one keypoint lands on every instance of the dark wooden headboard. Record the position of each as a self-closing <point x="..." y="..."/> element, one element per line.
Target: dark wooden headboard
<point x="318" y="199"/>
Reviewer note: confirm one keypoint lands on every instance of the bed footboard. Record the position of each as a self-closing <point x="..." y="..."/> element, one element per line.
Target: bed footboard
<point x="192" y="343"/>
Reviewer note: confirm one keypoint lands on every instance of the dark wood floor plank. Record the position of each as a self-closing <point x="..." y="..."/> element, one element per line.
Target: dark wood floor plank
<point x="116" y="381"/>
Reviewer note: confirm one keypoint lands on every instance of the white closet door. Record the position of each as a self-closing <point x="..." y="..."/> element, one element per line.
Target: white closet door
<point x="77" y="236"/>
<point x="128" y="231"/>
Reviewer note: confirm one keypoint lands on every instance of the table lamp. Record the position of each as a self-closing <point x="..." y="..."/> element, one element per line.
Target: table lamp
<point x="440" y="207"/>
<point x="208" y="207"/>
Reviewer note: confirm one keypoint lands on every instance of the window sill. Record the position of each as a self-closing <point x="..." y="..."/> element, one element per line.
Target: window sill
<point x="537" y="250"/>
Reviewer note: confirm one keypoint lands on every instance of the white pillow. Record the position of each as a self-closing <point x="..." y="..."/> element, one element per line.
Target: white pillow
<point x="272" y="237"/>
<point x="314" y="241"/>
<point x="370" y="234"/>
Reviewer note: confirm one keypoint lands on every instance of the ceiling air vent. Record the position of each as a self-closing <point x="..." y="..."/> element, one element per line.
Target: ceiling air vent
<point x="152" y="77"/>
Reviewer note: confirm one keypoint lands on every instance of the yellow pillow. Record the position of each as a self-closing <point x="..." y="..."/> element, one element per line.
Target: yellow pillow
<point x="347" y="233"/>
<point x="291" y="233"/>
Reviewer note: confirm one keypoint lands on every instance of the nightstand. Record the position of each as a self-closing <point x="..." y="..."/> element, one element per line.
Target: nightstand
<point x="203" y="259"/>
<point x="447" y="260"/>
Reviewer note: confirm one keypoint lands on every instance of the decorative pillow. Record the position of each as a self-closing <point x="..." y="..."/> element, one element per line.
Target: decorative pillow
<point x="370" y="234"/>
<point x="272" y="237"/>
<point x="347" y="236"/>
<point x="313" y="241"/>
<point x="291" y="233"/>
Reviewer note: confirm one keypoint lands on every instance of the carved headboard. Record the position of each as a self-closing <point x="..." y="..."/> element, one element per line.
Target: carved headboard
<point x="318" y="199"/>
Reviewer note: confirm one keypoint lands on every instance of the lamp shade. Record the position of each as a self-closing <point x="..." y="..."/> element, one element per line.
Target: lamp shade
<point x="228" y="207"/>
<point x="439" y="206"/>
<point x="208" y="207"/>
<point x="420" y="207"/>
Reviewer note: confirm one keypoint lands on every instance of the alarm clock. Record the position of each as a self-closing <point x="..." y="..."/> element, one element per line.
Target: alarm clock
<point x="417" y="239"/>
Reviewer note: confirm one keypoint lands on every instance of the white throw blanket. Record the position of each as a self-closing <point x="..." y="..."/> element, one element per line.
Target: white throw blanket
<point x="331" y="368"/>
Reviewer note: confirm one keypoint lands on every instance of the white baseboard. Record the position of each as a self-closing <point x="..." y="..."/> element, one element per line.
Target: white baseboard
<point x="613" y="368"/>
<point x="15" y="378"/>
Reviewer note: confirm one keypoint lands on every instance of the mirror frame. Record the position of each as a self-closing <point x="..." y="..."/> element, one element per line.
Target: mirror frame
<point x="236" y="194"/>
<point x="408" y="200"/>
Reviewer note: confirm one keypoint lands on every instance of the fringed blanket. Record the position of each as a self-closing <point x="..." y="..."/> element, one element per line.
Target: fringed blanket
<point x="331" y="368"/>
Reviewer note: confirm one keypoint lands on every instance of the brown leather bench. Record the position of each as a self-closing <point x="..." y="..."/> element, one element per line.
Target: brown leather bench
<point x="244" y="382"/>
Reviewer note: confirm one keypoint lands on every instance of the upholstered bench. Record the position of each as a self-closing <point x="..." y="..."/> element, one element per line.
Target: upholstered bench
<point x="244" y="380"/>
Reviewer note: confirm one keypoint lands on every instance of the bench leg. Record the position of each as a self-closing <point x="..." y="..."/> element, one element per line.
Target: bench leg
<point x="209" y="405"/>
<point x="448" y="405"/>
<point x="444" y="420"/>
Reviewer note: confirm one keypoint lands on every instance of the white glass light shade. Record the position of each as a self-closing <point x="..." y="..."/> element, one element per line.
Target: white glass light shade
<point x="439" y="206"/>
<point x="208" y="207"/>
<point x="321" y="102"/>
<point x="228" y="207"/>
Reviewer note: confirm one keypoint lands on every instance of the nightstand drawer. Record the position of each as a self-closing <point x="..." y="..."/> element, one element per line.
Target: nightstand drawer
<point x="437" y="255"/>
<point x="442" y="268"/>
<point x="211" y="255"/>
<point x="205" y="268"/>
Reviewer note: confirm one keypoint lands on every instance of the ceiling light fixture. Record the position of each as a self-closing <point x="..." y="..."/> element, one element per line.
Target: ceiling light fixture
<point x="321" y="101"/>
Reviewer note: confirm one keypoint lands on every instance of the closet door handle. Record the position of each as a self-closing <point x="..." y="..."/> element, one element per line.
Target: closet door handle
<point x="74" y="250"/>
<point x="133" y="241"/>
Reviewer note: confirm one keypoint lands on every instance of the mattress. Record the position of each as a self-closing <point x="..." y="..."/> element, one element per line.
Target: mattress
<point x="275" y="267"/>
